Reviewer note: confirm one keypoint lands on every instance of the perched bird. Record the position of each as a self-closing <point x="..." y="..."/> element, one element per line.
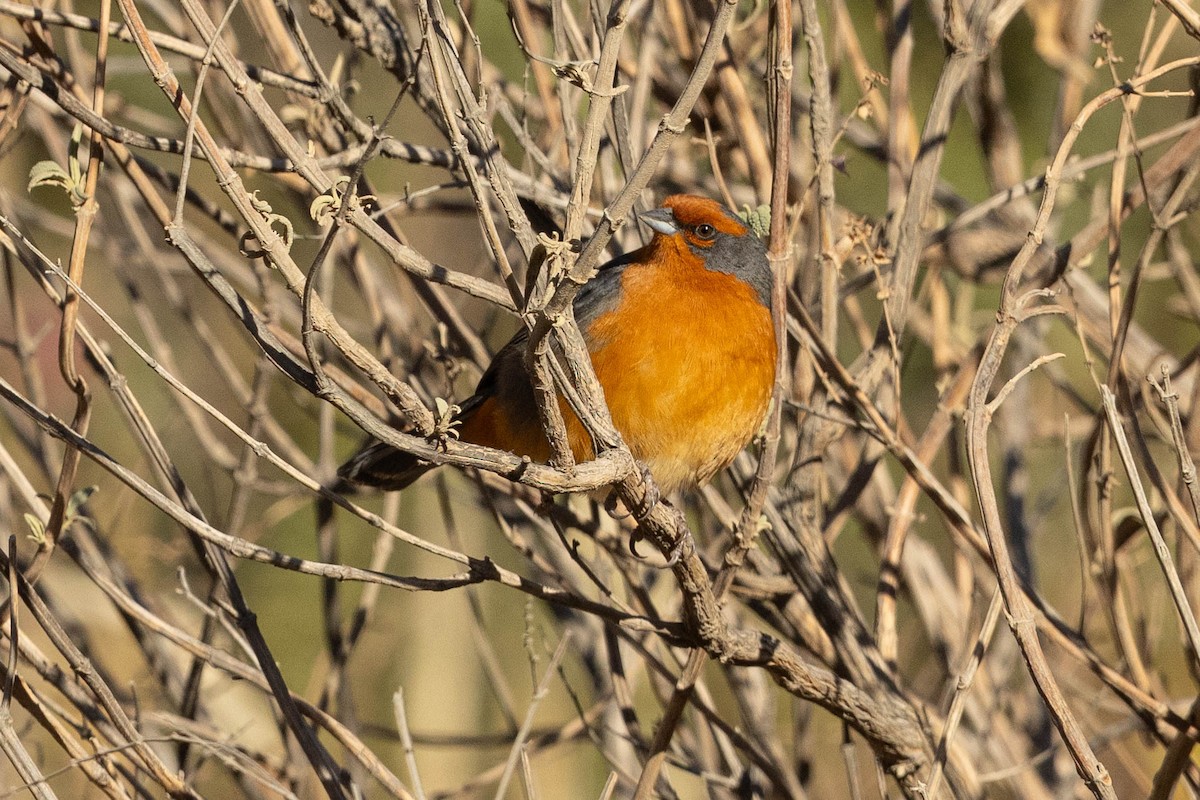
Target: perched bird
<point x="682" y="342"/>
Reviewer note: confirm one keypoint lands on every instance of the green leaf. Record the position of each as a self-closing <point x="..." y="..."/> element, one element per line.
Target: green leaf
<point x="77" y="500"/>
<point x="73" y="160"/>
<point x="70" y="180"/>
<point x="37" y="529"/>
<point x="48" y="173"/>
<point x="757" y="219"/>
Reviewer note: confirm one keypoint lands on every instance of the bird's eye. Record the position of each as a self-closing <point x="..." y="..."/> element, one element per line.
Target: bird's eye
<point x="706" y="231"/>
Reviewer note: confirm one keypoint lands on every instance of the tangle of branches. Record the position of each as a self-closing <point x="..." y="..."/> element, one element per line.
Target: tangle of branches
<point x="241" y="237"/>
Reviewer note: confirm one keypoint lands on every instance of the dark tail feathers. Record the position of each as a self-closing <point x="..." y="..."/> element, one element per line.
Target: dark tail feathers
<point x="383" y="467"/>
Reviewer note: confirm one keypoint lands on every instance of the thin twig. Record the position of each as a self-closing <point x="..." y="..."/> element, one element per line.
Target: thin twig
<point x="1187" y="616"/>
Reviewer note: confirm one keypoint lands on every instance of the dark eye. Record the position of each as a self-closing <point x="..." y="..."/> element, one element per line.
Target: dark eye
<point x="706" y="231"/>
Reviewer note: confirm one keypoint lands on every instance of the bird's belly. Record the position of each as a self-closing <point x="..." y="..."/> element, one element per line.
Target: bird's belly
<point x="683" y="414"/>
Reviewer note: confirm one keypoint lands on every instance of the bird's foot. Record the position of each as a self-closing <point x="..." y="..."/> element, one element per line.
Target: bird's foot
<point x="649" y="502"/>
<point x="650" y="499"/>
<point x="680" y="550"/>
<point x="634" y="538"/>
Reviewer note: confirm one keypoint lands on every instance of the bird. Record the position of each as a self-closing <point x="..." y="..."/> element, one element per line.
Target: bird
<point x="682" y="342"/>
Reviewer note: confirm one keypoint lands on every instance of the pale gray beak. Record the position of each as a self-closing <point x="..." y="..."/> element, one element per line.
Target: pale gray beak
<point x="661" y="220"/>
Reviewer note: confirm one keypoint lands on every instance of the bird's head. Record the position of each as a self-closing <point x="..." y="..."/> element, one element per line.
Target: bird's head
<point x="711" y="233"/>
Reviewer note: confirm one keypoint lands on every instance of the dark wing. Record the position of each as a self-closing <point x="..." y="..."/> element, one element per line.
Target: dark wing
<point x="602" y="293"/>
<point x="384" y="467"/>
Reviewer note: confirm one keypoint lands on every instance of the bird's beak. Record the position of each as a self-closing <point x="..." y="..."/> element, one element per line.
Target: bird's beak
<point x="661" y="220"/>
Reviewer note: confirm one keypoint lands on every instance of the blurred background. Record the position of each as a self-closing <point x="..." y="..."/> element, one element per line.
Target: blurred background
<point x="187" y="555"/>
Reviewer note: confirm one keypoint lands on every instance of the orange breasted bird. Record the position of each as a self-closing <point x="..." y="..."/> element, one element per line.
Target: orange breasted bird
<point x="681" y="339"/>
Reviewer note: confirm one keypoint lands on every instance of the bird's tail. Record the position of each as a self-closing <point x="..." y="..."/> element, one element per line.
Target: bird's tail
<point x="381" y="466"/>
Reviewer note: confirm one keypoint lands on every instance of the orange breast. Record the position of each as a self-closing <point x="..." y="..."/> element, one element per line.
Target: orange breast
<point x="687" y="362"/>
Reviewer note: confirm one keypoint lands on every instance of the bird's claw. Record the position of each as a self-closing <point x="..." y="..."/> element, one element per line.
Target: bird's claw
<point x="649" y="500"/>
<point x="634" y="538"/>
<point x="610" y="505"/>
<point x="672" y="558"/>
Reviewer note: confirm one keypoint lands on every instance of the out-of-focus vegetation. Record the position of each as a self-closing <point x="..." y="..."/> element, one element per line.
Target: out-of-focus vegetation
<point x="239" y="237"/>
